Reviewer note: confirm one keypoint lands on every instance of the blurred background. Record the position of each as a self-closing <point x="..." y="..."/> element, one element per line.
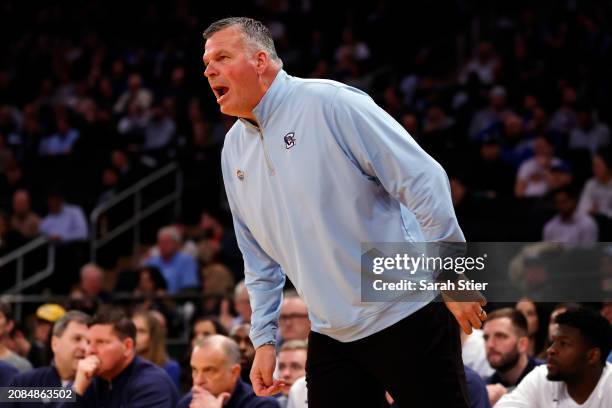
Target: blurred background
<point x="110" y="137"/>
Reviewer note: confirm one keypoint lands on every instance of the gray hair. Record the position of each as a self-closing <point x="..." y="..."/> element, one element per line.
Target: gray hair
<point x="71" y="316"/>
<point x="172" y="232"/>
<point x="240" y="287"/>
<point x="228" y="346"/>
<point x="256" y="34"/>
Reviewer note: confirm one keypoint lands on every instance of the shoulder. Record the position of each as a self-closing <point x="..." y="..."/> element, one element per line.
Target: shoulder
<point x="35" y="377"/>
<point x="147" y="373"/>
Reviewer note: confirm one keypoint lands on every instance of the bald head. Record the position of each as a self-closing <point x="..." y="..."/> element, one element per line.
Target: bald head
<point x="215" y="364"/>
<point x="222" y="344"/>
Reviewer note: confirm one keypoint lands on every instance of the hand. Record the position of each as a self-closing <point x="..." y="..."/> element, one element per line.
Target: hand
<point x="468" y="314"/>
<point x="202" y="398"/>
<point x="86" y="369"/>
<point x="262" y="370"/>
<point x="495" y="391"/>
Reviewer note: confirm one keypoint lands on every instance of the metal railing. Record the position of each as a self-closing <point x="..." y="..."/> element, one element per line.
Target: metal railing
<point x="18" y="256"/>
<point x="135" y="191"/>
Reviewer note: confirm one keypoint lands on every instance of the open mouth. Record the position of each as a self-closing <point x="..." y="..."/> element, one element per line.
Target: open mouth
<point x="220" y="91"/>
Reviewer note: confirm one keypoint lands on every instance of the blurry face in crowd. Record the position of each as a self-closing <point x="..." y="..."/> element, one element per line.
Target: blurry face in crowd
<point x="233" y="70"/>
<point x="114" y="353"/>
<point x="143" y="334"/>
<point x="146" y="284"/>
<point x="247" y="351"/>
<point x="600" y="169"/>
<point x="569" y="354"/>
<point x="70" y="347"/>
<point x="566" y="205"/>
<point x="243" y="305"/>
<point x="21" y="202"/>
<point x="55" y="204"/>
<point x="210" y="370"/>
<point x="202" y="329"/>
<point x="167" y="245"/>
<point x="294" y="322"/>
<point x="291" y="366"/>
<point x="503" y="346"/>
<point x="91" y="281"/>
<point x="528" y="309"/>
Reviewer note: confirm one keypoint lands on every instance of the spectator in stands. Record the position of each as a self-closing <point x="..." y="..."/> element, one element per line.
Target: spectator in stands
<point x="491" y="115"/>
<point x="506" y="342"/>
<point x="39" y="353"/>
<point x="69" y="344"/>
<point x="215" y="370"/>
<point x="23" y="219"/>
<point x="6" y="326"/>
<point x="240" y="334"/>
<point x="62" y="142"/>
<point x="151" y="344"/>
<point x="565" y="119"/>
<point x="576" y="373"/>
<point x="242" y="304"/>
<point x="132" y="126"/>
<point x="557" y="310"/>
<point x="291" y="366"/>
<point x="65" y="222"/>
<point x="135" y="93"/>
<point x="11" y="180"/>
<point x="179" y="269"/>
<point x="205" y="326"/>
<point x="596" y="197"/>
<point x="535" y="331"/>
<point x="92" y="282"/>
<point x="484" y="64"/>
<point x="159" y="131"/>
<point x="294" y="323"/>
<point x="111" y="359"/>
<point x="590" y="133"/>
<point x="570" y="226"/>
<point x="489" y="175"/>
<point x="533" y="175"/>
<point x="217" y="288"/>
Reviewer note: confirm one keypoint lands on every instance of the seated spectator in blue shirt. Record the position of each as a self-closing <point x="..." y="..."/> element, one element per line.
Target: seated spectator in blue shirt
<point x="60" y="143"/>
<point x="507" y="344"/>
<point x="112" y="375"/>
<point x="151" y="344"/>
<point x="64" y="222"/>
<point x="69" y="343"/>
<point x="179" y="269"/>
<point x="215" y="368"/>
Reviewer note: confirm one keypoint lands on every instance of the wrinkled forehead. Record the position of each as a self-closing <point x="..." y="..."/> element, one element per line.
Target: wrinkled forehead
<point x="228" y="39"/>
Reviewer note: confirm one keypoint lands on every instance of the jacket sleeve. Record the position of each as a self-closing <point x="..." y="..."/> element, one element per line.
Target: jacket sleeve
<point x="384" y="151"/>
<point x="263" y="276"/>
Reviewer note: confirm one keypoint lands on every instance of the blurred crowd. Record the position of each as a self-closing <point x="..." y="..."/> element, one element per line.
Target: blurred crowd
<point x="510" y="97"/>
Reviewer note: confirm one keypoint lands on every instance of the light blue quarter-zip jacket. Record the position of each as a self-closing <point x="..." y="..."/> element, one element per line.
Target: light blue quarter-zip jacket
<point x="324" y="171"/>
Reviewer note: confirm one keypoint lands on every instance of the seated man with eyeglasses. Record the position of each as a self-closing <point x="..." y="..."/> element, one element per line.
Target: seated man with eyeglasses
<point x="294" y="323"/>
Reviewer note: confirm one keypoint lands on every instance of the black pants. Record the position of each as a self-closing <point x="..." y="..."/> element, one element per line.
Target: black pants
<point x="417" y="360"/>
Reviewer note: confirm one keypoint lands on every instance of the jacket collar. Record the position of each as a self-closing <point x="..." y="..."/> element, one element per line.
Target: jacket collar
<point x="272" y="99"/>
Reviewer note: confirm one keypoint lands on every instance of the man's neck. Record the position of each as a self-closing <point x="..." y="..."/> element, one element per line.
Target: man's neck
<point x="512" y="376"/>
<point x="580" y="390"/>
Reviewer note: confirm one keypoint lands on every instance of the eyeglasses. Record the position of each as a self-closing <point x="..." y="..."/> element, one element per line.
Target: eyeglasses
<point x="292" y="316"/>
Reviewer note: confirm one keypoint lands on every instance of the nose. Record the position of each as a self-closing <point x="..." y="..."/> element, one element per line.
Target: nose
<point x="199" y="380"/>
<point x="210" y="70"/>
